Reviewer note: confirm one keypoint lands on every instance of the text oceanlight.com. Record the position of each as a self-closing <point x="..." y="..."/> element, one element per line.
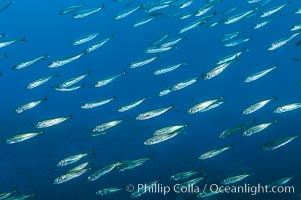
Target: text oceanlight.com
<point x="211" y="188"/>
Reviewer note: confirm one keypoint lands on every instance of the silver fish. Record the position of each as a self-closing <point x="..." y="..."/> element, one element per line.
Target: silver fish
<point x="39" y="82"/>
<point x="184" y="84"/>
<point x="238" y="17"/>
<point x="257" y="128"/>
<point x="217" y="70"/>
<point x="275" y="144"/>
<point x="29" y="105"/>
<point x="161" y="138"/>
<point x="72" y="159"/>
<point x="7" y="194"/>
<point x="280" y="182"/>
<point x="131" y="105"/>
<point x="131" y="164"/>
<point x="168" y="68"/>
<point x="22" y="137"/>
<point x="126" y="13"/>
<point x="274" y="10"/>
<point x="102" y="128"/>
<point x="94" y="104"/>
<point x="236" y="129"/>
<point x="258" y="75"/>
<point x="282" y="42"/>
<point x="69" y="176"/>
<point x="109" y="79"/>
<point x="98" y="44"/>
<point x="59" y="63"/>
<point x="184" y="175"/>
<point x="143" y="62"/>
<point x="256" y="106"/>
<point x="234" y="179"/>
<point x="204" y="106"/>
<point x="72" y="81"/>
<point x="10" y="42"/>
<point x="30" y="62"/>
<point x="85" y="39"/>
<point x="71" y="9"/>
<point x="153" y="113"/>
<point x="169" y="129"/>
<point x="287" y="108"/>
<point x="51" y="122"/>
<point x="68" y="89"/>
<point x="214" y="152"/>
<point x="87" y="12"/>
<point x="99" y="173"/>
<point x="107" y="191"/>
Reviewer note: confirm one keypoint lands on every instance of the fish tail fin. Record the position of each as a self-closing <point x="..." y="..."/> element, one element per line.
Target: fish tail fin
<point x="46" y="98"/>
<point x="214" y="13"/>
<point x="14" y="189"/>
<point x="70" y="116"/>
<point x="127" y="118"/>
<point x="276" y="120"/>
<point x="275" y="97"/>
<point x="42" y="132"/>
<point x="125" y="71"/>
<point x="114" y="98"/>
<point x="254" y="121"/>
<point x="185" y="38"/>
<point x="57" y="75"/>
<point x="5" y="55"/>
<point x="23" y="39"/>
<point x="231" y="146"/>
<point x="92" y="151"/>
<point x="3" y="34"/>
<point x="113" y="36"/>
<point x="45" y="56"/>
<point x="102" y="6"/>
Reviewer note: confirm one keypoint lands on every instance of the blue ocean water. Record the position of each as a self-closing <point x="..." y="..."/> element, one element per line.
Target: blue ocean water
<point x="30" y="166"/>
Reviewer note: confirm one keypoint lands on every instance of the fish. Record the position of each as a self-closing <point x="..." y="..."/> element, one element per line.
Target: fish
<point x="214" y="152"/>
<point x="273" y="10"/>
<point x="68" y="89"/>
<point x="296" y="27"/>
<point x="184" y="84"/>
<point x="257" y="128"/>
<point x="184" y="175"/>
<point x="94" y="104"/>
<point x="10" y="42"/>
<point x="21" y="197"/>
<point x="22" y="137"/>
<point x="195" y="24"/>
<point x="84" y="39"/>
<point x="168" y="68"/>
<point x="162" y="137"/>
<point x="131" y="105"/>
<point x="98" y="44"/>
<point x="143" y="62"/>
<point x="3" y="56"/>
<point x="158" y="49"/>
<point x="64" y="61"/>
<point x="131" y="164"/>
<point x="298" y="11"/>
<point x="298" y="43"/>
<point x="7" y="194"/>
<point x="153" y="113"/>
<point x="190" y="182"/>
<point x="158" y="41"/>
<point x="234" y="179"/>
<point x="253" y="108"/>
<point x="282" y="42"/>
<point x="146" y="189"/>
<point x="79" y="167"/>
<point x="102" y="128"/>
<point x="259" y="74"/>
<point x="204" y="106"/>
<point x="263" y="23"/>
<point x="69" y="176"/>
<point x="236" y="129"/>
<point x="230" y="36"/>
<point x="107" y="191"/>
<point x="206" y="8"/>
<point x="169" y="129"/>
<point x="7" y="6"/>
<point x="165" y="92"/>
<point x="280" y="182"/>
<point x="231" y="9"/>
<point x="238" y="17"/>
<point x="209" y="193"/>
<point x="51" y="122"/>
<point x="29" y="105"/>
<point x="127" y="12"/>
<point x="143" y="21"/>
<point x="216" y="71"/>
<point x="234" y="43"/>
<point x="99" y="173"/>
<point x="30" y="62"/>
<point x="287" y="108"/>
<point x="72" y="159"/>
<point x="185" y="4"/>
<point x="173" y="41"/>
<point x="275" y="144"/>
<point x="109" y="79"/>
<point x="85" y="13"/>
<point x="71" y="9"/>
<point x="39" y="82"/>
<point x="229" y="58"/>
<point x="72" y="81"/>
